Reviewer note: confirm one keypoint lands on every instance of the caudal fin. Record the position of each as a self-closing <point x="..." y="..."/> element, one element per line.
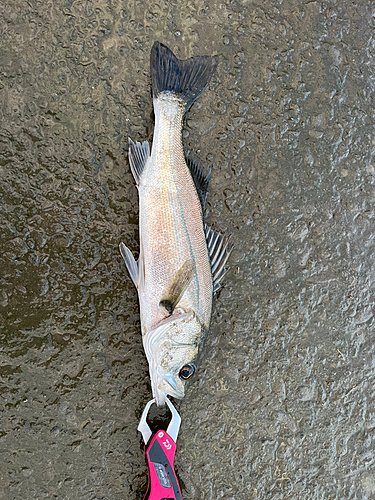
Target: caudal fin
<point x="186" y="78"/>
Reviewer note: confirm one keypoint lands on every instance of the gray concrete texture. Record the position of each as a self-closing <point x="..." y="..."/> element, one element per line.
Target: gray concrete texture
<point x="282" y="406"/>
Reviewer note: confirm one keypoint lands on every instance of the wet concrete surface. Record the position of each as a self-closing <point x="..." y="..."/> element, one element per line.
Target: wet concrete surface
<point x="282" y="406"/>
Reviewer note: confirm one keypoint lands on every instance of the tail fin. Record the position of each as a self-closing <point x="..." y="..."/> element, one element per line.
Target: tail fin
<point x="187" y="78"/>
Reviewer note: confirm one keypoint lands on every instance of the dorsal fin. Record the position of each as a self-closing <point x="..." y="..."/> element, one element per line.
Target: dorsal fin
<point x="218" y="252"/>
<point x="201" y="178"/>
<point x="139" y="153"/>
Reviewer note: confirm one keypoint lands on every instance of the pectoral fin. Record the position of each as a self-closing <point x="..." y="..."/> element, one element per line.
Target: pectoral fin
<point x="177" y="286"/>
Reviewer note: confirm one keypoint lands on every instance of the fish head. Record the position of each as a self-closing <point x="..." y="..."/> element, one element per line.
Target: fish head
<point x="172" y="350"/>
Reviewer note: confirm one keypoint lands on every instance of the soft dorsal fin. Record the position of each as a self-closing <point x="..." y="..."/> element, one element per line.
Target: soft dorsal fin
<point x="218" y="252"/>
<point x="177" y="286"/>
<point x="201" y="178"/>
<point x="139" y="153"/>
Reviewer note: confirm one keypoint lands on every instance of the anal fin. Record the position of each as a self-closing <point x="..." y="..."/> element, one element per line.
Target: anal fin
<point x="139" y="153"/>
<point x="218" y="251"/>
<point x="131" y="263"/>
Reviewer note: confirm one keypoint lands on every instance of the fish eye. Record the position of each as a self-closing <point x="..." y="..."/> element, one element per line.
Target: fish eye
<point x="187" y="371"/>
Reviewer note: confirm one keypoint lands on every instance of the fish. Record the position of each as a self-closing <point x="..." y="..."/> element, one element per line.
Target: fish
<point x="181" y="259"/>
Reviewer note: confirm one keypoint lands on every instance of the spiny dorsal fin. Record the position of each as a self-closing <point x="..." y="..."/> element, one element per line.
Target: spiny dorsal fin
<point x="218" y="252"/>
<point x="131" y="263"/>
<point x="201" y="178"/>
<point x="139" y="153"/>
<point x="177" y="286"/>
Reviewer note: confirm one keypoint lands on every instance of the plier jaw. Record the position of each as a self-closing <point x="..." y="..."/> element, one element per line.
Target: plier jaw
<point x="160" y="449"/>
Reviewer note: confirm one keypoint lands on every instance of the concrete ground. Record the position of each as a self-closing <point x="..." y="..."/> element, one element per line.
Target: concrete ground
<point x="282" y="406"/>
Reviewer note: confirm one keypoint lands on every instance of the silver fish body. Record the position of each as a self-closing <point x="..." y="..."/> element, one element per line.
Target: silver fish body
<point x="171" y="222"/>
<point x="174" y="272"/>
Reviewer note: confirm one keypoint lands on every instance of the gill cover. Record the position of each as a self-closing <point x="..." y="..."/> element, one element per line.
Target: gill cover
<point x="170" y="347"/>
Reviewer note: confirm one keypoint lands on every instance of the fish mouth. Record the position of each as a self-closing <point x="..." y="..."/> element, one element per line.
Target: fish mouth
<point x="173" y="390"/>
<point x="166" y="387"/>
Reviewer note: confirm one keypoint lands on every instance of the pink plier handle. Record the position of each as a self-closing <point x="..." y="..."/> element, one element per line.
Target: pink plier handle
<point x="160" y="451"/>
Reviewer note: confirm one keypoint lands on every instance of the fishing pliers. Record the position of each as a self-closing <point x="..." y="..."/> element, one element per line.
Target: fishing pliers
<point x="160" y="449"/>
